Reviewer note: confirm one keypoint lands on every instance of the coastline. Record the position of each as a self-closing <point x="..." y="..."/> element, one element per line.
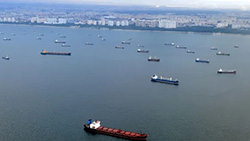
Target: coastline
<point x="207" y="30"/>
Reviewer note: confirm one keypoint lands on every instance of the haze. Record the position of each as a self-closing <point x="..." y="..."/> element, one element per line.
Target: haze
<point x="208" y="4"/>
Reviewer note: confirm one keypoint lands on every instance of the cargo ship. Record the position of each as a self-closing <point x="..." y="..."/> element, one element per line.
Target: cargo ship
<point x="6" y="58"/>
<point x="44" y="52"/>
<point x="214" y="48"/>
<point x="180" y="47"/>
<point x="154" y="59"/>
<point x="65" y="45"/>
<point x="190" y="51"/>
<point x="125" y="42"/>
<point x="90" y="44"/>
<point x="169" y="44"/>
<point x="94" y="126"/>
<point x="6" y="39"/>
<point x="166" y="80"/>
<point x="221" y="53"/>
<point x="119" y="47"/>
<point x="226" y="71"/>
<point x="57" y="41"/>
<point x="201" y="61"/>
<point x="142" y="51"/>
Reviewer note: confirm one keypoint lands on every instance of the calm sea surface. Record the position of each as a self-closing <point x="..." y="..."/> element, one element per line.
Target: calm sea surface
<point x="49" y="98"/>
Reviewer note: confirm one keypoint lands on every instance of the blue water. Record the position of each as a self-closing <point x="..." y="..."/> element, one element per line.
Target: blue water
<point x="50" y="97"/>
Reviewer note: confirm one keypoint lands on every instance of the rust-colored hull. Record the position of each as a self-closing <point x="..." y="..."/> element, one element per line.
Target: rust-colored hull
<point x="117" y="133"/>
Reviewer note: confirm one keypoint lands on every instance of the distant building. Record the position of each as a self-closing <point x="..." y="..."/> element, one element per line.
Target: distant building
<point x="89" y="22"/>
<point x="94" y="22"/>
<point x="51" y="21"/>
<point x="103" y="22"/>
<point x="167" y="24"/>
<point x="33" y="19"/>
<point x="110" y="23"/>
<point x="118" y="23"/>
<point x="222" y="25"/>
<point x="62" y="21"/>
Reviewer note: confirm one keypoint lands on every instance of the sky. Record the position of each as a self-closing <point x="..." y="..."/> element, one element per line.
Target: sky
<point x="208" y="4"/>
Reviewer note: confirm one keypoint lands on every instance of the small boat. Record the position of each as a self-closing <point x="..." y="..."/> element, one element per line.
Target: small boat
<point x="6" y="39"/>
<point x="181" y="47"/>
<point x="142" y="51"/>
<point x="236" y="46"/>
<point x="12" y="34"/>
<point x="140" y="45"/>
<point x="154" y="59"/>
<point x="125" y="42"/>
<point x="221" y="53"/>
<point x="170" y="44"/>
<point x="40" y="34"/>
<point x="57" y="41"/>
<point x="119" y="47"/>
<point x="38" y="38"/>
<point x="214" y="48"/>
<point x="166" y="80"/>
<point x="6" y="58"/>
<point x="62" y="36"/>
<point x="99" y="36"/>
<point x="44" y="52"/>
<point x="87" y="43"/>
<point x="201" y="61"/>
<point x="103" y="39"/>
<point x="94" y="126"/>
<point x="129" y="39"/>
<point x="190" y="51"/>
<point x="226" y="71"/>
<point x="65" y="45"/>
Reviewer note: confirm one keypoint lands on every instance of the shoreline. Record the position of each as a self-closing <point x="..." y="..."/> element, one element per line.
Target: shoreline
<point x="205" y="30"/>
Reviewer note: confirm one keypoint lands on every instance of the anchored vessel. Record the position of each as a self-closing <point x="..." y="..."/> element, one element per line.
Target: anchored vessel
<point x="142" y="51"/>
<point x="57" y="41"/>
<point x="190" y="51"/>
<point x="119" y="47"/>
<point x="6" y="39"/>
<point x="201" y="61"/>
<point x="154" y="59"/>
<point x="44" y="52"/>
<point x="62" y="36"/>
<point x="6" y="58"/>
<point x="236" y="46"/>
<point x="125" y="42"/>
<point x="170" y="44"/>
<point x="87" y="43"/>
<point x="140" y="45"/>
<point x="226" y="71"/>
<point x="221" y="53"/>
<point x="95" y="127"/>
<point x="214" y="48"/>
<point x="180" y="47"/>
<point x="65" y="45"/>
<point x="166" y="80"/>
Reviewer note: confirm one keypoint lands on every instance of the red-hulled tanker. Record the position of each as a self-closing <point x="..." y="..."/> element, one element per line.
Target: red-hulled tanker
<point x="95" y="126"/>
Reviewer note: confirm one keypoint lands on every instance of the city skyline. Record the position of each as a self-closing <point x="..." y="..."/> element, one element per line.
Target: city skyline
<point x="207" y="4"/>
